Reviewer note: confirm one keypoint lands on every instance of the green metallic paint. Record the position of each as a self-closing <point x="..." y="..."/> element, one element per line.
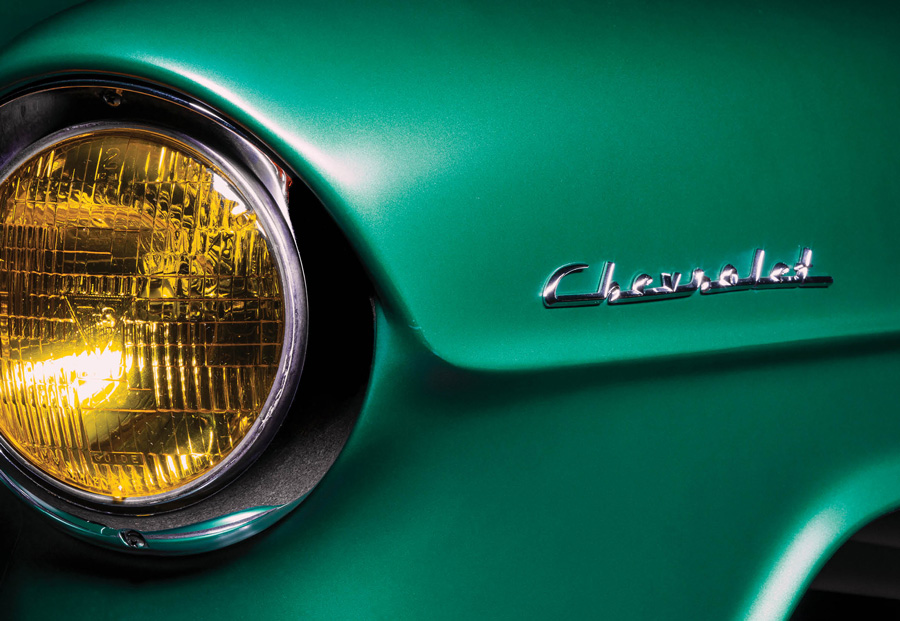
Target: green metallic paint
<point x="515" y="139"/>
<point x="511" y="496"/>
<point x="693" y="458"/>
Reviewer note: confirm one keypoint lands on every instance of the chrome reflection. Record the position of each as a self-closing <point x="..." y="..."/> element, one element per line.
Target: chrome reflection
<point x="670" y="287"/>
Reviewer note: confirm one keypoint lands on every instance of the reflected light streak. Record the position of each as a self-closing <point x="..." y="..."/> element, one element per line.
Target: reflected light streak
<point x="797" y="564"/>
<point x="352" y="173"/>
<point x="89" y="376"/>
<point x="223" y="187"/>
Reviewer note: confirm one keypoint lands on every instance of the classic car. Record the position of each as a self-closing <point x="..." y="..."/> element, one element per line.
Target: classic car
<point x="449" y="309"/>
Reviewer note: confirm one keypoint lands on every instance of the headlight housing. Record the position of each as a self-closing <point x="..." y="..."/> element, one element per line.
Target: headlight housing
<point x="141" y="314"/>
<point x="153" y="321"/>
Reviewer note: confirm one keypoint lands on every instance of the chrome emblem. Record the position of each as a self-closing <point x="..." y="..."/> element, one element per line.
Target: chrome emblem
<point x="671" y="287"/>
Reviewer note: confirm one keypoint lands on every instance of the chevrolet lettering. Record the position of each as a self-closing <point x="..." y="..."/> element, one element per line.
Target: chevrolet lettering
<point x="670" y="288"/>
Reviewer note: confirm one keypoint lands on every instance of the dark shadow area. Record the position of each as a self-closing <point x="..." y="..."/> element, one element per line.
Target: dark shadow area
<point x="817" y="605"/>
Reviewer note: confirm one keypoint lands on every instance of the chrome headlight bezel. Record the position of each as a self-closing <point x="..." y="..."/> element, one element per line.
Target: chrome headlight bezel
<point x="227" y="505"/>
<point x="277" y="230"/>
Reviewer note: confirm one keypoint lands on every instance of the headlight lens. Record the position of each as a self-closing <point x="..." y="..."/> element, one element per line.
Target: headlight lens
<point x="141" y="313"/>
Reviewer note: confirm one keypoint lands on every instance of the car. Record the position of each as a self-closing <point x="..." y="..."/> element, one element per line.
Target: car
<point x="442" y="310"/>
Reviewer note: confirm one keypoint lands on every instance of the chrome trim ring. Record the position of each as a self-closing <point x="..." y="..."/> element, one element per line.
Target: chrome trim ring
<point x="260" y="181"/>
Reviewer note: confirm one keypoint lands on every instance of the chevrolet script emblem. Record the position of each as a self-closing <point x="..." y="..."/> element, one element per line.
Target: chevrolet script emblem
<point x="671" y="286"/>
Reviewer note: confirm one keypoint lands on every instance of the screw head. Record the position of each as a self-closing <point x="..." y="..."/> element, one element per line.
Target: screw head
<point x="133" y="539"/>
<point x="112" y="98"/>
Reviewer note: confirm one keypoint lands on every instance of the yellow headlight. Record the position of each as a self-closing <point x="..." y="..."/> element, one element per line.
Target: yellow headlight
<point x="141" y="313"/>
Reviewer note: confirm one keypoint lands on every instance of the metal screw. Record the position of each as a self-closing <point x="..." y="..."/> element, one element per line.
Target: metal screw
<point x="112" y="98"/>
<point x="133" y="539"/>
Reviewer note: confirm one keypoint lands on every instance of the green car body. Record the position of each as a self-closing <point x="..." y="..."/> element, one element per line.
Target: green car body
<point x="693" y="458"/>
